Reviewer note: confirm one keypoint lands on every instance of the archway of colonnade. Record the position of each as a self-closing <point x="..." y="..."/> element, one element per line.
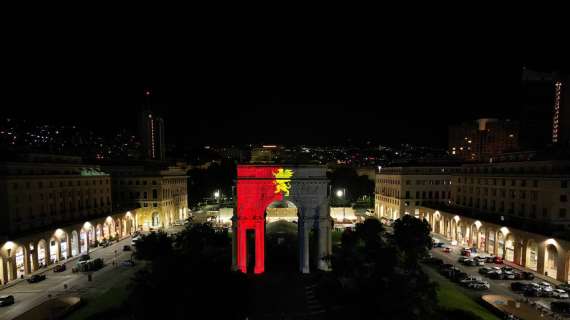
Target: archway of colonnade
<point x="551" y="260"/>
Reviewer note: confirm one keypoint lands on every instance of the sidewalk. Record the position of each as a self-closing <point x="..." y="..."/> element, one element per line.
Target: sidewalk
<point x="536" y="274"/>
<point x="49" y="267"/>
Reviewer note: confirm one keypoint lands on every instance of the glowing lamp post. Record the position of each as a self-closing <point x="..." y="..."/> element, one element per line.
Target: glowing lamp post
<point x="341" y="193"/>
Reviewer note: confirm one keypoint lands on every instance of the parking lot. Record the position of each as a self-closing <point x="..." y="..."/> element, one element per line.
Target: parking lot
<point x="486" y="277"/>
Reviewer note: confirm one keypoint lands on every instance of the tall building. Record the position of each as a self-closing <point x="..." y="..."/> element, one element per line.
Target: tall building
<point x="483" y="139"/>
<point x="151" y="131"/>
<point x="545" y="116"/>
<point x="561" y="112"/>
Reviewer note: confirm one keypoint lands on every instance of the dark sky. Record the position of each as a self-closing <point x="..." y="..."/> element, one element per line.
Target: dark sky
<point x="292" y="86"/>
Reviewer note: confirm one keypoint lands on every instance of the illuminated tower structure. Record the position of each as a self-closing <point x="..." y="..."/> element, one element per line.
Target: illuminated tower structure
<point x="545" y="117"/>
<point x="561" y="112"/>
<point x="151" y="131"/>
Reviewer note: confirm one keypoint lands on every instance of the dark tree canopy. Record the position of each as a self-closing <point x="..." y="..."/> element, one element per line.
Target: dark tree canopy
<point x="412" y="236"/>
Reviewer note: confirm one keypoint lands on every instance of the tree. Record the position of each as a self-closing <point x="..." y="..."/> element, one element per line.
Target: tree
<point x="369" y="281"/>
<point x="193" y="279"/>
<point x="153" y="245"/>
<point x="412" y="237"/>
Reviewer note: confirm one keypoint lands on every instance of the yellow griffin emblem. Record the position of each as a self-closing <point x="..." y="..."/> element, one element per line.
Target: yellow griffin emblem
<point x="283" y="181"/>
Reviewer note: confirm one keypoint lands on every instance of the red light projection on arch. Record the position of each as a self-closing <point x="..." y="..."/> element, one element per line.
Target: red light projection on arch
<point x="257" y="187"/>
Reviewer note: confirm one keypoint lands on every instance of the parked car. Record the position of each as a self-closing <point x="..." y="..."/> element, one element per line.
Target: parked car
<point x="84" y="257"/>
<point x="479" y="285"/>
<point x="126" y="248"/>
<point x="563" y="286"/>
<point x="446" y="249"/>
<point x="485" y="270"/>
<point x="490" y="259"/>
<point x="479" y="261"/>
<point x="458" y="276"/>
<point x="59" y="268"/>
<point x="134" y="240"/>
<point x="462" y="259"/>
<point x="531" y="291"/>
<point x="498" y="260"/>
<point x="466" y="252"/>
<point x="6" y="300"/>
<point x="36" y="278"/>
<point x="438" y="245"/>
<point x="470" y="262"/>
<point x="508" y="275"/>
<point x="559" y="294"/>
<point x="519" y="286"/>
<point x="527" y="275"/>
<point x="518" y="275"/>
<point x="469" y="279"/>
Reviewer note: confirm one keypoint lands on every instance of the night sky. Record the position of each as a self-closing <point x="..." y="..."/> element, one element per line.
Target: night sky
<point x="299" y="88"/>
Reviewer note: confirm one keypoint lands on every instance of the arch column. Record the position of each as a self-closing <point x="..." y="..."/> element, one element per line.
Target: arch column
<point x="58" y="250"/>
<point x="519" y="249"/>
<point x="524" y="244"/>
<point x="12" y="268"/>
<point x="324" y="243"/>
<point x="304" y="229"/>
<point x="540" y="258"/>
<point x="3" y="271"/>
<point x="496" y="243"/>
<point x="47" y="252"/>
<point x="87" y="244"/>
<point x="27" y="262"/>
<point x="35" y="262"/>
<point x="562" y="266"/>
<point x="234" y="244"/>
<point x="259" y="247"/>
<point x="242" y="246"/>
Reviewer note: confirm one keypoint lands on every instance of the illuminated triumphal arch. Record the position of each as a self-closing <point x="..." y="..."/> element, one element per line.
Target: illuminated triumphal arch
<point x="258" y="186"/>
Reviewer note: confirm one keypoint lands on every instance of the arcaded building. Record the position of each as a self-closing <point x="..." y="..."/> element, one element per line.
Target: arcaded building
<point x="402" y="190"/>
<point x="158" y="191"/>
<point x="48" y="190"/>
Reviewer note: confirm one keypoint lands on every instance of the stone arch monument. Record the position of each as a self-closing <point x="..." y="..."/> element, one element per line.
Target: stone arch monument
<point x="257" y="186"/>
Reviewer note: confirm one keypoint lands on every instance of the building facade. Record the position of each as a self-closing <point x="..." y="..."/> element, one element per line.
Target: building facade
<point x="402" y="190"/>
<point x="53" y="210"/>
<point x="159" y="193"/>
<point x="527" y="190"/>
<point x="483" y="139"/>
<point x="534" y="190"/>
<point x="36" y="195"/>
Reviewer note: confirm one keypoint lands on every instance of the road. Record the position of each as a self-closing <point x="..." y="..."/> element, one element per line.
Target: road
<point x="501" y="287"/>
<point x="28" y="295"/>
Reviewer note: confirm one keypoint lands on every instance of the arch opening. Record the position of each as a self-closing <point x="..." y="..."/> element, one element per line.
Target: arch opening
<point x="531" y="255"/>
<point x="74" y="243"/>
<point x="550" y="261"/>
<point x="281" y="231"/>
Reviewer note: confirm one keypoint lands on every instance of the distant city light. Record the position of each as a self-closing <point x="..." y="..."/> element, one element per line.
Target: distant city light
<point x="339" y="193"/>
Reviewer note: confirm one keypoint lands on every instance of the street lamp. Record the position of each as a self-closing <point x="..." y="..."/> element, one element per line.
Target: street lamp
<point x="341" y="193"/>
